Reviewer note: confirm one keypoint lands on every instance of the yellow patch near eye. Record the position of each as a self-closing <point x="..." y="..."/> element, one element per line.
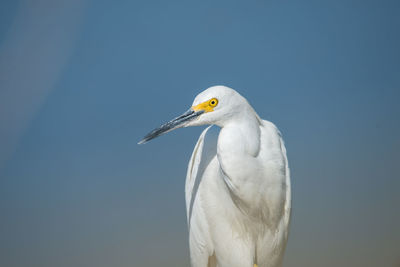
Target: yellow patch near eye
<point x="207" y="106"/>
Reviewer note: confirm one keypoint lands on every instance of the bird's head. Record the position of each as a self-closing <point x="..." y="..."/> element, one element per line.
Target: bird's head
<point x="215" y="105"/>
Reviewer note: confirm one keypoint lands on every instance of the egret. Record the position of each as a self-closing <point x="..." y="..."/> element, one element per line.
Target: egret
<point x="237" y="190"/>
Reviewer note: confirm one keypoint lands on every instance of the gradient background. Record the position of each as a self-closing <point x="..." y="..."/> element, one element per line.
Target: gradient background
<point x="81" y="82"/>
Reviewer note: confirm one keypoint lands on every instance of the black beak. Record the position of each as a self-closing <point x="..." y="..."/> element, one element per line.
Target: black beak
<point x="178" y="122"/>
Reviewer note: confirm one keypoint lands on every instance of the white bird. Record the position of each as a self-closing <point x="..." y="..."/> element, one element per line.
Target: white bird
<point x="238" y="196"/>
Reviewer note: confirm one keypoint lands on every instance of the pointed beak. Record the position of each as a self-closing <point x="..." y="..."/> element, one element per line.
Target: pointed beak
<point x="176" y="123"/>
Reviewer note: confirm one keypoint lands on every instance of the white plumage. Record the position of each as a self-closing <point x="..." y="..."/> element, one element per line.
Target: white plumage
<point x="237" y="186"/>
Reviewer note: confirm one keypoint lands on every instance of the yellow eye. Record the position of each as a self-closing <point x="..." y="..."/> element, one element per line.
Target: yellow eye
<point x="213" y="102"/>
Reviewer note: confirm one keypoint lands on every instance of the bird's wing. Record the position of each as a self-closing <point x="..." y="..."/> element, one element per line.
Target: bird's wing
<point x="276" y="144"/>
<point x="288" y="201"/>
<point x="204" y="151"/>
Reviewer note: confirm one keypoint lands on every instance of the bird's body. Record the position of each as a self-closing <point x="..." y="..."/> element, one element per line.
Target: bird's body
<point x="237" y="185"/>
<point x="238" y="218"/>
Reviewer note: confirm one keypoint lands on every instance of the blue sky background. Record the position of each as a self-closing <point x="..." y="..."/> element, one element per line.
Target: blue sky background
<point x="81" y="82"/>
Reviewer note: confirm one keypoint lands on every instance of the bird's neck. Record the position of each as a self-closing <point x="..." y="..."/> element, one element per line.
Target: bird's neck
<point x="238" y="146"/>
<point x="240" y="135"/>
<point x="237" y="151"/>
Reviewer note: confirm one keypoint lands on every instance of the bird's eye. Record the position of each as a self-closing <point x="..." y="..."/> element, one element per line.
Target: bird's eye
<point x="213" y="102"/>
